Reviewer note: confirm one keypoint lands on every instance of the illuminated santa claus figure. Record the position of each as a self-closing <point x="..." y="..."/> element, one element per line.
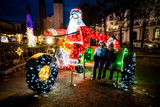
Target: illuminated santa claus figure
<point x="81" y="40"/>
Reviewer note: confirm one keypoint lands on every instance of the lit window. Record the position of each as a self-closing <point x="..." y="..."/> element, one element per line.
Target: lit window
<point x="156" y="33"/>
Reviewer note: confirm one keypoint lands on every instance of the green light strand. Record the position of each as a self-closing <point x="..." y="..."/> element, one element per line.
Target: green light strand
<point x="89" y="54"/>
<point x="122" y="61"/>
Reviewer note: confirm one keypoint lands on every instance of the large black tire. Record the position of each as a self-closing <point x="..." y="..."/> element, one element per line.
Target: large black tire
<point x="127" y="75"/>
<point x="34" y="66"/>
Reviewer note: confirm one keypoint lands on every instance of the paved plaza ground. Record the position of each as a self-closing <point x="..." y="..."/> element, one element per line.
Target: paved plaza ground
<point x="97" y="93"/>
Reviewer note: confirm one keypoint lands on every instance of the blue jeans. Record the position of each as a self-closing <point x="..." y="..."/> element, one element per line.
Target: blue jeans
<point x="112" y="68"/>
<point x="99" y="65"/>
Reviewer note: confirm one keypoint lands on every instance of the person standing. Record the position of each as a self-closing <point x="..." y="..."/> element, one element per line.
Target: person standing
<point x="99" y="58"/>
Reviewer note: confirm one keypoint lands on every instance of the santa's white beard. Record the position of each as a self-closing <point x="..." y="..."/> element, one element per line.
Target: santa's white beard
<point x="74" y="24"/>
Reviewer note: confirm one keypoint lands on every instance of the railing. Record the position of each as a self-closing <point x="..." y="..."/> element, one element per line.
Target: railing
<point x="9" y="54"/>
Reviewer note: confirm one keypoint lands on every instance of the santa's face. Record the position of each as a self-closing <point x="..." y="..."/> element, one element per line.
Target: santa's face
<point x="75" y="20"/>
<point x="75" y="16"/>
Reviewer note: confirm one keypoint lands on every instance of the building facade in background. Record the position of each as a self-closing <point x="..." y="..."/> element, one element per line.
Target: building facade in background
<point x="152" y="32"/>
<point x="55" y="21"/>
<point x="11" y="28"/>
<point x="42" y="14"/>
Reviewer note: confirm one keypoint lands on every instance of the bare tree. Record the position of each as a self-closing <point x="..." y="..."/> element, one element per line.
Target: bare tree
<point x="106" y="7"/>
<point x="91" y="13"/>
<point x="120" y="8"/>
<point x="144" y="11"/>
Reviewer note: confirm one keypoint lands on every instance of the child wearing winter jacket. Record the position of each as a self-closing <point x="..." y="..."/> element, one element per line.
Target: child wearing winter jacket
<point x="99" y="58"/>
<point x="111" y="58"/>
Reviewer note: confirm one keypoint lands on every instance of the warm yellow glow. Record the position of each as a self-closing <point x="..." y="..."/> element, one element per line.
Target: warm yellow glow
<point x="49" y="40"/>
<point x="19" y="38"/>
<point x="31" y="37"/>
<point x="19" y="51"/>
<point x="112" y="26"/>
<point x="44" y="73"/>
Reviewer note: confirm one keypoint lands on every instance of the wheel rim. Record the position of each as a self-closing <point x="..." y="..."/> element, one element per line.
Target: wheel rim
<point x="44" y="73"/>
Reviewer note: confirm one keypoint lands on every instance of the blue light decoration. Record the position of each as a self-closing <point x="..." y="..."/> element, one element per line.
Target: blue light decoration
<point x="29" y="28"/>
<point x="29" y="23"/>
<point x="39" y="76"/>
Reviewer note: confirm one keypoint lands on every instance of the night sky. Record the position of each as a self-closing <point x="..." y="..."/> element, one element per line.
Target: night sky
<point x="15" y="10"/>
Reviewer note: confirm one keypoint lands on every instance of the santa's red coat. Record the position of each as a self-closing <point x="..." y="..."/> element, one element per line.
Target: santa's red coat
<point x="84" y="35"/>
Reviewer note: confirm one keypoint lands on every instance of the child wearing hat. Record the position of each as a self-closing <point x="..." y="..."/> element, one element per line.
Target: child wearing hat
<point x="111" y="58"/>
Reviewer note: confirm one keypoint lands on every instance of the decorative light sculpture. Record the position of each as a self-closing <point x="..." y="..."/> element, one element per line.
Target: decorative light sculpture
<point x="19" y="38"/>
<point x="31" y="38"/>
<point x="80" y="41"/>
<point x="41" y="72"/>
<point x="4" y="39"/>
<point x="19" y="51"/>
<point x="29" y="26"/>
<point x="128" y="64"/>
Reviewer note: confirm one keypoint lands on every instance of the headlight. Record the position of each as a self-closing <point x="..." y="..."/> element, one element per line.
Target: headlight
<point x="49" y="40"/>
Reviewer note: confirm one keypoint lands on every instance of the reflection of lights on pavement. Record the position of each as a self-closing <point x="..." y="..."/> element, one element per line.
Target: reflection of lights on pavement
<point x="143" y="90"/>
<point x="134" y="88"/>
<point x="36" y="96"/>
<point x="126" y="90"/>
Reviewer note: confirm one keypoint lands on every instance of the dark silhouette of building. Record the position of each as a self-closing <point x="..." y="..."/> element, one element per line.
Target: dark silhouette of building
<point x="58" y="1"/>
<point x="42" y="14"/>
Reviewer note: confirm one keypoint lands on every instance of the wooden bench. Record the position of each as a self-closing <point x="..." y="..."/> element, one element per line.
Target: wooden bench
<point x="90" y="64"/>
